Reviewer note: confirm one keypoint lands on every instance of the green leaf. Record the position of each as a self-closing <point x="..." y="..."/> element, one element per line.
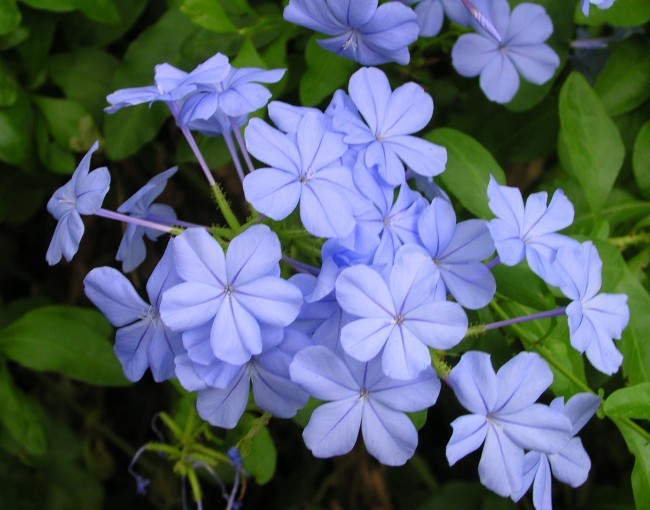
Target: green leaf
<point x="84" y="76"/>
<point x="520" y="284"/>
<point x="65" y="119"/>
<point x="624" y="13"/>
<point x="67" y="340"/>
<point x="208" y="14"/>
<point x="8" y="86"/>
<point x="101" y="11"/>
<point x="15" y="128"/>
<point x="326" y="72"/>
<point x="21" y="195"/>
<point x="9" y="16"/>
<point x="52" y="5"/>
<point x="21" y="416"/>
<point x="641" y="160"/>
<point x="624" y="82"/>
<point x="640" y="448"/>
<point x="634" y="344"/>
<point x="260" y="460"/>
<point x="594" y="147"/>
<point x="248" y="56"/>
<point x="631" y="402"/>
<point x="469" y="166"/>
<point x="418" y="418"/>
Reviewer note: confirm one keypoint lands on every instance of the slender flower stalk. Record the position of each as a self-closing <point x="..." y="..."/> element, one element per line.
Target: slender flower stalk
<point x="195" y="149"/>
<point x="242" y="146"/>
<point x="227" y="137"/>
<point x="301" y="267"/>
<point x="493" y="263"/>
<point x="173" y="222"/>
<point x="105" y="213"/>
<point x="482" y="328"/>
<point x="482" y="20"/>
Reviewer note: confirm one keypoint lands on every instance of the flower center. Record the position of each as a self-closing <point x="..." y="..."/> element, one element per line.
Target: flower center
<point x="398" y="320"/>
<point x="228" y="290"/>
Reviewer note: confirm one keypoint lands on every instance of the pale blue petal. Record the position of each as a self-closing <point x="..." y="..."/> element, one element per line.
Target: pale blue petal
<point x="436" y="226"/>
<point x="114" y="295"/>
<point x="408" y="111"/>
<point x="334" y="427"/>
<point x="363" y="339"/>
<point x="235" y="335"/>
<point x="324" y="212"/>
<point x="277" y="395"/>
<point x="224" y="407"/>
<point x="537" y="427"/>
<point x="579" y="409"/>
<point x="472" y="53"/>
<point x="404" y="356"/>
<point x="271" y="300"/>
<point x="441" y="325"/>
<point x="471" y="242"/>
<point x="389" y="435"/>
<point x="474" y="382"/>
<point x="536" y="63"/>
<point x="323" y="374"/>
<point x="499" y="79"/>
<point x="529" y="24"/>
<point x="521" y="381"/>
<point x="542" y="495"/>
<point x="468" y="435"/>
<point x="471" y="284"/>
<point x="91" y="190"/>
<point x="502" y="462"/>
<point x="371" y="94"/>
<point x="406" y="396"/>
<point x="361" y="291"/>
<point x="272" y="147"/>
<point x="273" y="192"/>
<point x="421" y="156"/>
<point x="131" y="345"/>
<point x="254" y="253"/>
<point x="199" y="258"/>
<point x="189" y="305"/>
<point x="164" y="346"/>
<point x="571" y="465"/>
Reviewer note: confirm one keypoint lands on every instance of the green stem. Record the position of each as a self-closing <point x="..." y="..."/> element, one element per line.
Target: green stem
<point x="224" y="207"/>
<point x="635" y="427"/>
<point x="630" y="240"/>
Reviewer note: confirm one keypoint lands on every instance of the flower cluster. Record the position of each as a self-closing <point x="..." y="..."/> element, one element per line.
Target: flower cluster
<point x="398" y="272"/>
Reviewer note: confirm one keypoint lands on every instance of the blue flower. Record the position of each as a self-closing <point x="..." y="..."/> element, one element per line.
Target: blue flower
<point x="234" y="293"/>
<point x="504" y="416"/>
<point x="389" y="119"/>
<point x="267" y="374"/>
<point x="82" y="194"/>
<point x="457" y="250"/>
<point x="360" y="396"/>
<point x="132" y="250"/>
<point x="594" y="319"/>
<point x="305" y="168"/>
<point x="529" y="230"/>
<point x="399" y="319"/>
<point x="520" y="50"/>
<point x="238" y="94"/>
<point x="143" y="341"/>
<point x="571" y="464"/>
<point x="362" y="31"/>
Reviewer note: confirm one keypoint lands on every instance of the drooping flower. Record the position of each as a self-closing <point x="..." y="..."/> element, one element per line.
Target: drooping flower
<point x="238" y="94"/>
<point x="362" y="31"/>
<point x="529" y="231"/>
<point x="383" y="127"/>
<point x="520" y="50"/>
<point x="305" y="168"/>
<point x="235" y="293"/>
<point x="360" y="396"/>
<point x="571" y="464"/>
<point x="132" y="250"/>
<point x="142" y="340"/>
<point x="458" y="249"/>
<point x="505" y="417"/>
<point x="595" y="320"/>
<point x="399" y="319"/>
<point x="82" y="194"/>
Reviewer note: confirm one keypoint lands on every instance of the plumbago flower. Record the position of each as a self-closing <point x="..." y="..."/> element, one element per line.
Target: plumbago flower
<point x="571" y="464"/>
<point x="236" y="293"/>
<point x="360" y="396"/>
<point x="457" y="249"/>
<point x="82" y="194"/>
<point x="594" y="319"/>
<point x="142" y="340"/>
<point x="430" y="15"/>
<point x="505" y="417"/>
<point x="398" y="318"/>
<point x="132" y="250"/>
<point x="306" y="168"/>
<point x="381" y="129"/>
<point x="529" y="231"/>
<point x="512" y="44"/>
<point x="362" y="30"/>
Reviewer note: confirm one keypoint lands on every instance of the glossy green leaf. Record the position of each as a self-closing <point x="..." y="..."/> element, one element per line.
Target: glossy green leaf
<point x="9" y="16"/>
<point x="65" y="119"/>
<point x="15" y="125"/>
<point x="21" y="416"/>
<point x="624" y="82"/>
<point x="469" y="166"/>
<point x="71" y="341"/>
<point x="639" y="447"/>
<point x="8" y="86"/>
<point x="101" y="11"/>
<point x="326" y="72"/>
<point x="641" y="160"/>
<point x="520" y="284"/>
<point x="634" y="344"/>
<point x="84" y="76"/>
<point x="260" y="457"/>
<point x="594" y="147"/>
<point x="208" y="14"/>
<point x="630" y="402"/>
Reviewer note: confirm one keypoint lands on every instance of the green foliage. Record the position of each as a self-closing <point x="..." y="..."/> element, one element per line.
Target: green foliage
<point x="593" y="144"/>
<point x="469" y="166"/>
<point x="70" y="341"/>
